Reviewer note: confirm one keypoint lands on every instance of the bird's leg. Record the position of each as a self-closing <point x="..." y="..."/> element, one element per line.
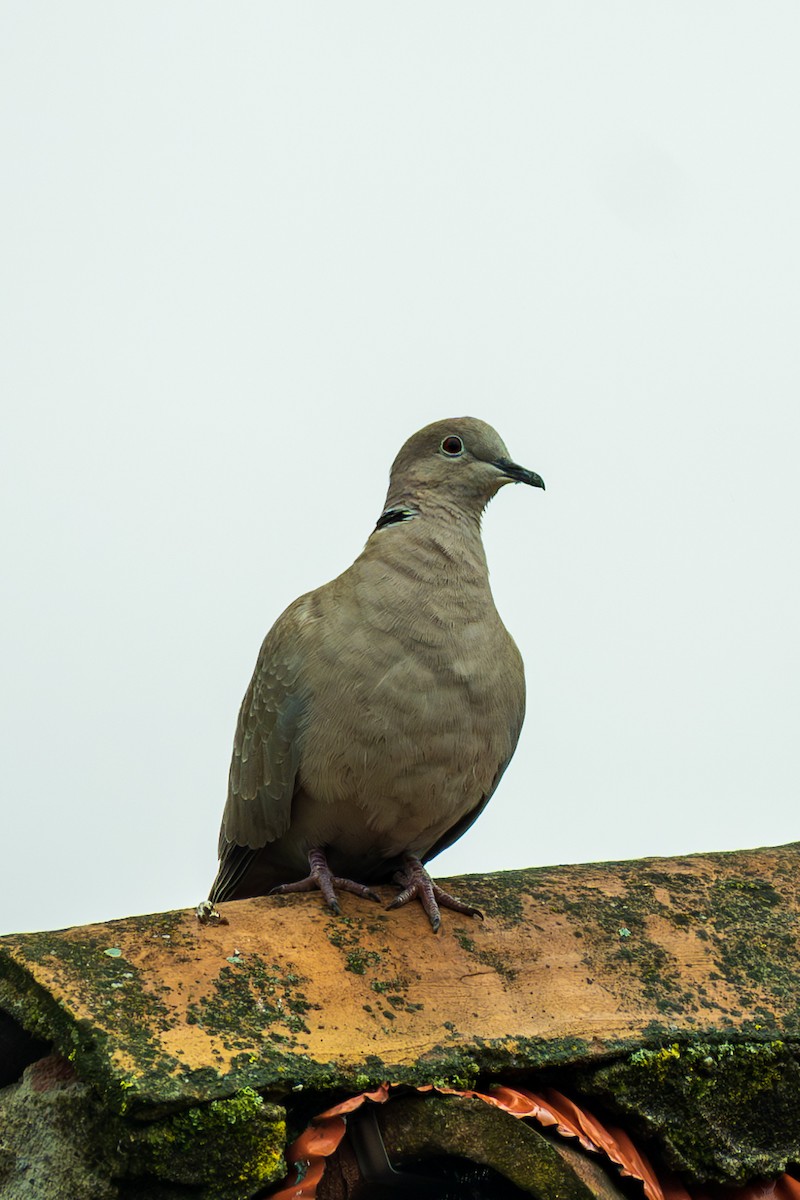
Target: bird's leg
<point x="417" y="884"/>
<point x="323" y="878"/>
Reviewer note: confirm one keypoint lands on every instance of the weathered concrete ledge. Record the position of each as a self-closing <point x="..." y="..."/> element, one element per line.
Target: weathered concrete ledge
<point x="686" y="963"/>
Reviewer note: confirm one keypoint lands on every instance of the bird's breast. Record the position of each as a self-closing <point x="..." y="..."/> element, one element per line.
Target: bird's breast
<point x="419" y="702"/>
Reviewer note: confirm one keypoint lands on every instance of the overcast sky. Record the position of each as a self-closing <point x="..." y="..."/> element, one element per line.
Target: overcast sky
<point x="246" y="251"/>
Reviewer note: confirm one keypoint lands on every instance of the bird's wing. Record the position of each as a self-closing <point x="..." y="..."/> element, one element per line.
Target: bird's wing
<point x="266" y="756"/>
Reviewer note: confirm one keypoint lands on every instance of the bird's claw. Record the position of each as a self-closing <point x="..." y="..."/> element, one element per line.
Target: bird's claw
<point x="417" y="884"/>
<point x="207" y="913"/>
<point x="321" y="878"/>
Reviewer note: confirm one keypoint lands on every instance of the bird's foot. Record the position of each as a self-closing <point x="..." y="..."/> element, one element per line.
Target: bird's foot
<point x="207" y="913"/>
<point x="322" y="877"/>
<point x="417" y="884"/>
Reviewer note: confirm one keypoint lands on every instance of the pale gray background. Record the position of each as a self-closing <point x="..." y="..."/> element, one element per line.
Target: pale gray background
<point x="246" y="250"/>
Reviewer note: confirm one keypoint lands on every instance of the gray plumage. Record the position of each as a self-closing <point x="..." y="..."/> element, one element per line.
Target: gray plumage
<point x="385" y="705"/>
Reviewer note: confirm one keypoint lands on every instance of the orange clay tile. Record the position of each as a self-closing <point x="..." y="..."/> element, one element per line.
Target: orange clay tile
<point x="569" y="964"/>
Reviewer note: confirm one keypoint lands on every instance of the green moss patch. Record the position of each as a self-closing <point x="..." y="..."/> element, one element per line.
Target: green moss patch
<point x="720" y="1112"/>
<point x="231" y="1148"/>
<point x="253" y="1001"/>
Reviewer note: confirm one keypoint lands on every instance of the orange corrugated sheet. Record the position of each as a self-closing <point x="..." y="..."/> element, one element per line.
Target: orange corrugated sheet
<point x="307" y="1154"/>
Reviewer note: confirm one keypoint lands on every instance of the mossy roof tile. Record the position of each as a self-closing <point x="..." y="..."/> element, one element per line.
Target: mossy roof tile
<point x="571" y="964"/>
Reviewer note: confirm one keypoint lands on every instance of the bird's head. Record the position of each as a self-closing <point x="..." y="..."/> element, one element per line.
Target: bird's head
<point x="462" y="459"/>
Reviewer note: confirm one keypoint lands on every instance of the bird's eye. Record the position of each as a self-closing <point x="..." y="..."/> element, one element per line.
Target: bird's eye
<point x="453" y="446"/>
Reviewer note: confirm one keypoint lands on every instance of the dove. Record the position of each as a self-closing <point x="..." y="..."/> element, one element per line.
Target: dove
<point x="386" y="704"/>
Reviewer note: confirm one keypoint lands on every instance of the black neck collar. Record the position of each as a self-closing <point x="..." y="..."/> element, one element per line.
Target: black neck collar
<point x="392" y="516"/>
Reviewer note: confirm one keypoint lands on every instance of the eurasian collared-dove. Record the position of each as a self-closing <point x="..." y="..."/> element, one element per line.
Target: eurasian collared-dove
<point x="385" y="705"/>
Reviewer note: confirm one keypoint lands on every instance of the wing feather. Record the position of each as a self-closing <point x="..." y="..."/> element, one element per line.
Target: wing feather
<point x="265" y="760"/>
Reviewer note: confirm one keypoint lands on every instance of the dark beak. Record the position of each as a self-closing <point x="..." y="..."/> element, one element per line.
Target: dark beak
<point x="518" y="474"/>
